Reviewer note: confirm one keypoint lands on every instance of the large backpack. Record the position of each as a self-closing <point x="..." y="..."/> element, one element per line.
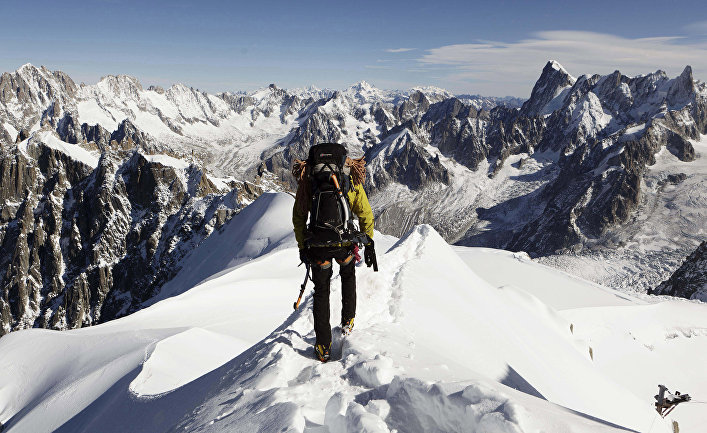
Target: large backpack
<point x="330" y="220"/>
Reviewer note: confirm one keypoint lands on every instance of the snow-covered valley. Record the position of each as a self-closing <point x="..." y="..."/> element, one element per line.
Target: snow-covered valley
<point x="447" y="338"/>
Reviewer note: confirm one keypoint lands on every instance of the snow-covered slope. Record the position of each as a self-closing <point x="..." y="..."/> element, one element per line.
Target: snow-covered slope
<point x="257" y="230"/>
<point x="446" y="339"/>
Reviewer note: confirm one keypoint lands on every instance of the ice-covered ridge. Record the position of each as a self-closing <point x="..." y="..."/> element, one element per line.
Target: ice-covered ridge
<point x="74" y="151"/>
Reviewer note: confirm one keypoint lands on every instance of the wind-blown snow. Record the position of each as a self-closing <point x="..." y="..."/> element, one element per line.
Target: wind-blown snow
<point x="540" y="281"/>
<point x="589" y="115"/>
<point x="557" y="102"/>
<point x="635" y="129"/>
<point x="207" y="351"/>
<point x="446" y="339"/>
<point x="93" y="114"/>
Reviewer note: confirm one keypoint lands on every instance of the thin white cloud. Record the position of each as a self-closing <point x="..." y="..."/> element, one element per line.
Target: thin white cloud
<point x="502" y="68"/>
<point x="399" y="50"/>
<point x="698" y="28"/>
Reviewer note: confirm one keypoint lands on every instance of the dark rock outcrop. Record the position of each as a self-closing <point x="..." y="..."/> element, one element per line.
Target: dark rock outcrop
<point x="690" y="279"/>
<point x="552" y="79"/>
<point x="407" y="163"/>
<point x="128" y="135"/>
<point x="83" y="244"/>
<point x="69" y="130"/>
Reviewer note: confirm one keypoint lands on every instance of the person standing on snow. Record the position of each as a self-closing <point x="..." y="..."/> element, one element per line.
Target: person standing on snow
<point x="330" y="191"/>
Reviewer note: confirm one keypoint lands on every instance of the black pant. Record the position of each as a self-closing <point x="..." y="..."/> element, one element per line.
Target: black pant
<point x="321" y="276"/>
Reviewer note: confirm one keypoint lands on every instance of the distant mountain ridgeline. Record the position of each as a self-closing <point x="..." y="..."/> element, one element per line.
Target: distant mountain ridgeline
<point x="106" y="187"/>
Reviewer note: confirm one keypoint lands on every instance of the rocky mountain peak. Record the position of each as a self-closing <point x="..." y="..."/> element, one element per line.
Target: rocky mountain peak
<point x="363" y="92"/>
<point x="552" y="80"/>
<point x="26" y="66"/>
<point x="30" y="95"/>
<point x="157" y="89"/>
<point x="554" y="64"/>
<point x="120" y="85"/>
<point x="267" y="93"/>
<point x="128" y="135"/>
<point x="362" y="86"/>
<point x="682" y="89"/>
<point x="435" y="94"/>
<point x="28" y="71"/>
<point x="41" y="81"/>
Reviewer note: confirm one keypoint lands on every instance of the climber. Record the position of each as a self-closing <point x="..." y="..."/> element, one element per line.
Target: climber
<point x="330" y="191"/>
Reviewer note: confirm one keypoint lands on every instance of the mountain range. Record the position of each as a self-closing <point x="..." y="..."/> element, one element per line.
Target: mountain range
<point x="107" y="188"/>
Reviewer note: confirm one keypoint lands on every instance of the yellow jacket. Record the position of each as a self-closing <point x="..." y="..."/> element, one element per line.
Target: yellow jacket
<point x="359" y="206"/>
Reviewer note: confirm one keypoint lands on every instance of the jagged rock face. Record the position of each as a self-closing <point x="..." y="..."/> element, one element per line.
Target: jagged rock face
<point x="552" y="81"/>
<point x="128" y="135"/>
<point x="462" y="139"/>
<point x="35" y="90"/>
<point x="600" y="131"/>
<point x="602" y="160"/>
<point x="690" y="279"/>
<point x="405" y="162"/>
<point x="317" y="128"/>
<point x="32" y="96"/>
<point x="458" y="131"/>
<point x="511" y="134"/>
<point x="360" y="117"/>
<point x="83" y="244"/>
<point x="71" y="131"/>
<point x="417" y="103"/>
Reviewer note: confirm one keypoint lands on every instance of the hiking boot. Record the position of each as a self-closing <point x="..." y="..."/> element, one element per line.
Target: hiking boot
<point x="322" y="352"/>
<point x="347" y="326"/>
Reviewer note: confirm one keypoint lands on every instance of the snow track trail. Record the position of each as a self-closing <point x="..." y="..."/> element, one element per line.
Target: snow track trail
<point x="447" y="339"/>
<point x="366" y="387"/>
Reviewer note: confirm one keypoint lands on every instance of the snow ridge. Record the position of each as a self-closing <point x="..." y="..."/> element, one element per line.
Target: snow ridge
<point x="519" y="364"/>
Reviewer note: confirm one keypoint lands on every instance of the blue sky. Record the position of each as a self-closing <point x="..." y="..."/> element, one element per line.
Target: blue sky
<point x="489" y="47"/>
